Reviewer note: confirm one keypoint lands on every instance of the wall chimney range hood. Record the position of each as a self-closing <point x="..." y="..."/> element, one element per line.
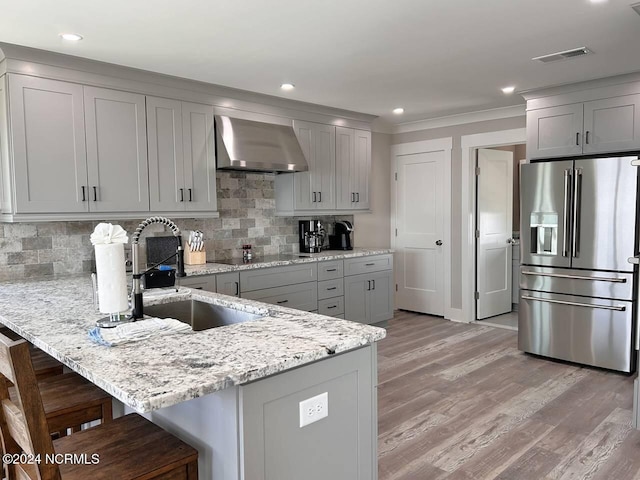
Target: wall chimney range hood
<point x="257" y="146"/>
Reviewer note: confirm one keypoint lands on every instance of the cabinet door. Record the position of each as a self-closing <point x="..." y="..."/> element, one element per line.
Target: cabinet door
<point x="345" y="155"/>
<point x="48" y="137"/>
<point x="115" y="124"/>
<point x="199" y="156"/>
<point x="228" y="284"/>
<point x="381" y="297"/>
<point x="356" y="305"/>
<point x="612" y="124"/>
<point x="166" y="164"/>
<point x="361" y="169"/>
<point x="315" y="188"/>
<point x="554" y="131"/>
<point x="325" y="168"/>
<point x="303" y="185"/>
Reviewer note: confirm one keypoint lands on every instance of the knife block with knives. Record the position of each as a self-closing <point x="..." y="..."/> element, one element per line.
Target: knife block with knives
<point x="194" y="253"/>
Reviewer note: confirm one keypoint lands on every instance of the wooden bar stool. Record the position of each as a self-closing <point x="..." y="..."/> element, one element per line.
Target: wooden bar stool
<point x="129" y="448"/>
<point x="69" y="399"/>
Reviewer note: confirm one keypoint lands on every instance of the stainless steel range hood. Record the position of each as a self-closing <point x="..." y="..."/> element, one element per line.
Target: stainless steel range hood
<point x="257" y="146"/>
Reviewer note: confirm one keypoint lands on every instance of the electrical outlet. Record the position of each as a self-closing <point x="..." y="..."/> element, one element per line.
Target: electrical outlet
<point x="313" y="409"/>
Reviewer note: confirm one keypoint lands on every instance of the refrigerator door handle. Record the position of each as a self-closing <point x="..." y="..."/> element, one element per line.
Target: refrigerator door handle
<point x="577" y="195"/>
<point x="576" y="277"/>
<point x="618" y="308"/>
<point x="565" y="214"/>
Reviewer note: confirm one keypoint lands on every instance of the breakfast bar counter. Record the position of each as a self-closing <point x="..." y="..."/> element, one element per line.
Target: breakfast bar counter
<point x="210" y="386"/>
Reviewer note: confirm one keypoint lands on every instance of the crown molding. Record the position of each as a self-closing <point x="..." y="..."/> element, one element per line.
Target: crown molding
<point x="461" y="119"/>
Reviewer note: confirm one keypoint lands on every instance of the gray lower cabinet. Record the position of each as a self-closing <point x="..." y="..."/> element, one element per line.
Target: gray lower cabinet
<point x="368" y="288"/>
<point x="116" y="132"/>
<point x="301" y="296"/>
<point x="199" y="282"/>
<point x="228" y="283"/>
<point x="341" y="446"/>
<point x="181" y="156"/>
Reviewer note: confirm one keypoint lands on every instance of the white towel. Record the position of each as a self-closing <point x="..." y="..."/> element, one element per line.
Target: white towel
<point x="135" y="331"/>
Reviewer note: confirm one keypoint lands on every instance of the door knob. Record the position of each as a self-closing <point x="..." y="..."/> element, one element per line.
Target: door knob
<point x="438" y="242"/>
<point x="509" y="240"/>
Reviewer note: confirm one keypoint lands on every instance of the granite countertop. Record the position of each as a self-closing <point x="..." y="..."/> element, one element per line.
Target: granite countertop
<point x="281" y="260"/>
<point x="56" y="315"/>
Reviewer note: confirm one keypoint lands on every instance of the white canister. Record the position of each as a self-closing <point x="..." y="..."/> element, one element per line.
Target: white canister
<point x="112" y="278"/>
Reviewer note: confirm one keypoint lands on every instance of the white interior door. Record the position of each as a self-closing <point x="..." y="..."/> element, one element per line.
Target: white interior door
<point x="495" y="218"/>
<point x="419" y="257"/>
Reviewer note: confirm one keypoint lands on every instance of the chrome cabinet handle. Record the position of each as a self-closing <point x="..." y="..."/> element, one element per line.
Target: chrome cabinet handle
<point x="438" y="242"/>
<point x="319" y="197"/>
<point x="358" y="197"/>
<point x="565" y="213"/>
<point x="95" y="193"/>
<point x="618" y="308"/>
<point x="314" y="197"/>
<point x="369" y="264"/>
<point x="182" y="194"/>
<point x="190" y="194"/>
<point x="374" y="284"/>
<point x="577" y="194"/>
<point x="368" y="285"/>
<point x="576" y="277"/>
<point x="353" y="197"/>
<point x="332" y="288"/>
<point x="84" y="193"/>
<point x="586" y="137"/>
<point x="331" y="270"/>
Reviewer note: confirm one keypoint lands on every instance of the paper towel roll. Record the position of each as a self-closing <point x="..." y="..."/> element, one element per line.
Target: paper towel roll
<point x="112" y="279"/>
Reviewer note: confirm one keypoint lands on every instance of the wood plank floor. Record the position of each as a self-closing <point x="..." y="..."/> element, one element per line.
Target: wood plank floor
<point x="460" y="402"/>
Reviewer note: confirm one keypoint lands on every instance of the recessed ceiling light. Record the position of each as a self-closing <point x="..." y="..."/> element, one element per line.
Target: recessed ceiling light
<point x="508" y="90"/>
<point x="398" y="111"/>
<point x="287" y="86"/>
<point x="72" y="37"/>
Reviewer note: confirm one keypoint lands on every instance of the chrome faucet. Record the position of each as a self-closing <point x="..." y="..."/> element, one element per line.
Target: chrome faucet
<point x="137" y="310"/>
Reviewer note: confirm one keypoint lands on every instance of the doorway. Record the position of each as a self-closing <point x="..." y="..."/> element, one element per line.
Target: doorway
<point x="497" y="234"/>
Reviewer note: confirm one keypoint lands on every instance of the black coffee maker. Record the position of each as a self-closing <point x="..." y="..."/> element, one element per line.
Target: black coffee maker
<point x="311" y="235"/>
<point x="341" y="239"/>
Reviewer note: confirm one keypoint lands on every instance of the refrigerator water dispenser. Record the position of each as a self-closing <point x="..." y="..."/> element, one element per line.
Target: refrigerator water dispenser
<point x="544" y="233"/>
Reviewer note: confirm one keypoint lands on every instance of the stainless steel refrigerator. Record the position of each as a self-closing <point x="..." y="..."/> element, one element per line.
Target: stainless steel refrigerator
<point x="578" y="232"/>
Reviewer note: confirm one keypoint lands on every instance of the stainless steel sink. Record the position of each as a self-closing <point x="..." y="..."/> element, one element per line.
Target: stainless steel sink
<point x="200" y="315"/>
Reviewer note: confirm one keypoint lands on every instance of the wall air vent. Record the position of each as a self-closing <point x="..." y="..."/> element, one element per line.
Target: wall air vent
<point x="636" y="7"/>
<point x="554" y="57"/>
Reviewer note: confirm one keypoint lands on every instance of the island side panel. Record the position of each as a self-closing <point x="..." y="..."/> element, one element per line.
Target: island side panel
<point x="341" y="446"/>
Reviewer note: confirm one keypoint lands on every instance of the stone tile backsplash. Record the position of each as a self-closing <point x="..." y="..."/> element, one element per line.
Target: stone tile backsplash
<point x="246" y="203"/>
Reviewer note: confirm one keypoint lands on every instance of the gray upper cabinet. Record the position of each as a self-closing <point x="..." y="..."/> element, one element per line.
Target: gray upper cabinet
<point x="181" y="156"/>
<point x="353" y="168"/>
<point x="598" y="126"/>
<point x="199" y="157"/>
<point x="166" y="161"/>
<point x="612" y="125"/>
<point x="315" y="188"/>
<point x="48" y="139"/>
<point x="554" y="131"/>
<point x="115" y="124"/>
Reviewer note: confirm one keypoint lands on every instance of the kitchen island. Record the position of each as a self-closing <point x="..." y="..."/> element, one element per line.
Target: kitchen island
<point x="232" y="392"/>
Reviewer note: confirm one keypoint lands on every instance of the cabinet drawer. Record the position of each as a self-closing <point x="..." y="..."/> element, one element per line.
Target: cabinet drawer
<point x="331" y="306"/>
<point x="330" y="270"/>
<point x="199" y="282"/>
<point x="277" y="276"/>
<point x="376" y="263"/>
<point x="303" y="296"/>
<point x="331" y="288"/>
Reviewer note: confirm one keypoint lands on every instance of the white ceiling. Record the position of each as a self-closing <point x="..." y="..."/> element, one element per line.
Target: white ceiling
<point x="432" y="57"/>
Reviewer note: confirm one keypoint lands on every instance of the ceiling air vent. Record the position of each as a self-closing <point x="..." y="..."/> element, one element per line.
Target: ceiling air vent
<point x="554" y="57"/>
<point x="636" y="7"/>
